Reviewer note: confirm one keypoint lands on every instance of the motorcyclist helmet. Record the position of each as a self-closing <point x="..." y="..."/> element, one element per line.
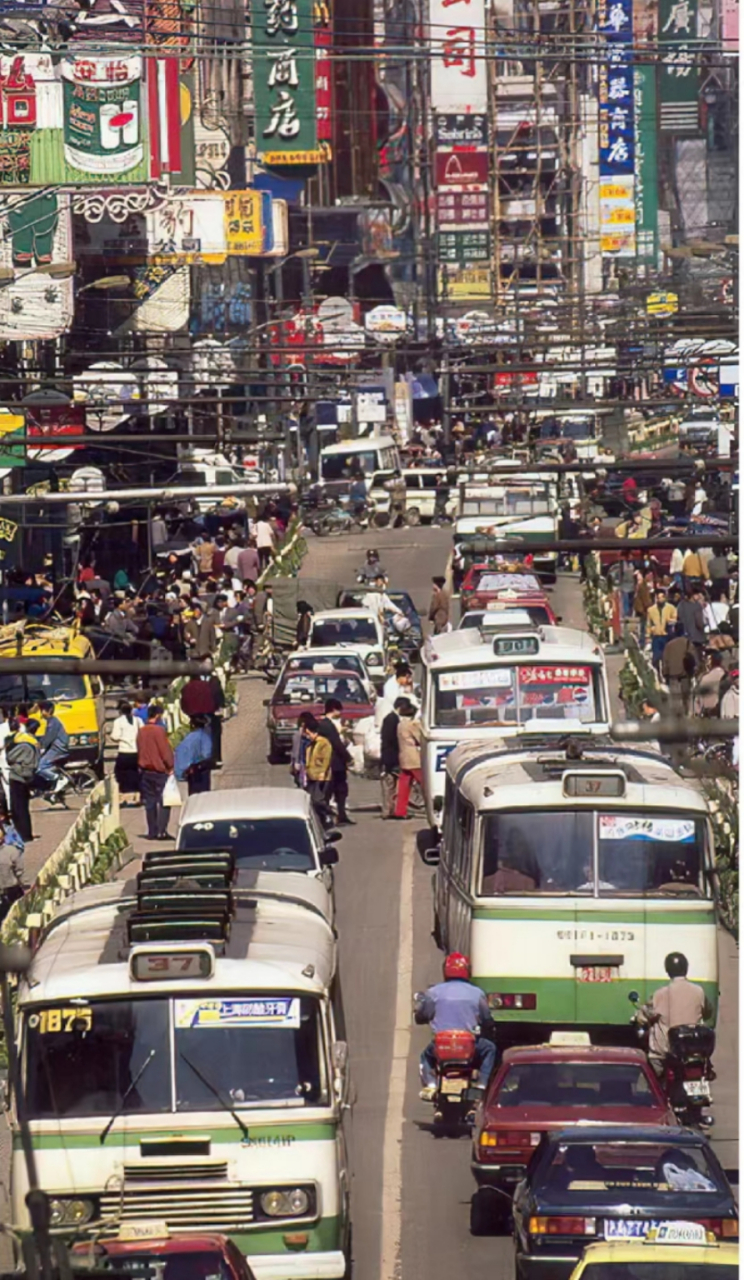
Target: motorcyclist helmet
<point x="676" y="965"/>
<point x="457" y="965"/>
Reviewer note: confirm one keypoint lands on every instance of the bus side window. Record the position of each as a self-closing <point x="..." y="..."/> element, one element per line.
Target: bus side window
<point x="463" y="840"/>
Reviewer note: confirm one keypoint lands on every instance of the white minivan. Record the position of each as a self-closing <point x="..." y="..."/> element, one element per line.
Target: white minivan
<point x="339" y="462"/>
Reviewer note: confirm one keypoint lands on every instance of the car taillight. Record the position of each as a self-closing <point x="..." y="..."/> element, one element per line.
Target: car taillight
<point x="509" y="1138"/>
<point x="563" y="1226"/>
<point x="512" y="1000"/>
<point x="722" y="1228"/>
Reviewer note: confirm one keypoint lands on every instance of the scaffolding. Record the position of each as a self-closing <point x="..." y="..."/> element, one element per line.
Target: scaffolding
<point x="536" y="145"/>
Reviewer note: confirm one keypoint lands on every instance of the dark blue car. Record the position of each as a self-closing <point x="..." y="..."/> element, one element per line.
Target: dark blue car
<point x="614" y="1183"/>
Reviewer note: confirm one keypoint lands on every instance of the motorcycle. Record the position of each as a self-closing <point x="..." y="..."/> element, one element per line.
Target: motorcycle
<point x="456" y="1093"/>
<point x="338" y="518"/>
<point x="688" y="1073"/>
<point x="687" y="1070"/>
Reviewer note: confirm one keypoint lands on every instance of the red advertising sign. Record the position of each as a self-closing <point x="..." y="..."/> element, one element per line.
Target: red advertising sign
<point x="461" y="168"/>
<point x="554" y="675"/>
<point x="323" y="74"/>
<point x="462" y="207"/>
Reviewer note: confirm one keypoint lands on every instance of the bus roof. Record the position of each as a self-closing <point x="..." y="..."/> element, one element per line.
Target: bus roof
<point x="468" y="648"/>
<point x="359" y="446"/>
<point x="490" y="776"/>
<point x="281" y="939"/>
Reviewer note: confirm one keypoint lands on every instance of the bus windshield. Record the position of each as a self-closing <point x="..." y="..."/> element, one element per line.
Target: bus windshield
<point x="342" y="466"/>
<point x="502" y="695"/>
<point x="604" y="855"/>
<point x="160" y="1055"/>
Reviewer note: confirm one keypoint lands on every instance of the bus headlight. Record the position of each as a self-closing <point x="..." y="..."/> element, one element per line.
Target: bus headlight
<point x="70" y="1213"/>
<point x="286" y="1202"/>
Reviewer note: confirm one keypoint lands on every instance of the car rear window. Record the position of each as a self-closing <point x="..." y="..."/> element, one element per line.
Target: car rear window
<point x="307" y="687"/>
<point x="343" y="631"/>
<point x="575" y="1084"/>
<point x="652" y="1173"/>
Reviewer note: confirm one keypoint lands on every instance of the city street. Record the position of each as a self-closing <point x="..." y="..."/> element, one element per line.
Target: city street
<point x="411" y="1190"/>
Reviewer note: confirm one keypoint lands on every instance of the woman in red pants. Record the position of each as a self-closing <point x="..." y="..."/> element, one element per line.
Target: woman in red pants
<point x="409" y="750"/>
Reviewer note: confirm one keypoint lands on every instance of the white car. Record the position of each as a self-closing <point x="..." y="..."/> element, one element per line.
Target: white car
<point x="341" y="658"/>
<point x="356" y="630"/>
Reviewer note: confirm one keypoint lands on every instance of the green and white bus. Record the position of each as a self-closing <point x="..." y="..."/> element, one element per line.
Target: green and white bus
<point x="184" y="1064"/>
<point x="568" y="873"/>
<point x="481" y="684"/>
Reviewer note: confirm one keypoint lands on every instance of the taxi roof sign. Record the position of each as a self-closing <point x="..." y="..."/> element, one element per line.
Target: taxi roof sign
<point x="570" y="1039"/>
<point x="680" y="1233"/>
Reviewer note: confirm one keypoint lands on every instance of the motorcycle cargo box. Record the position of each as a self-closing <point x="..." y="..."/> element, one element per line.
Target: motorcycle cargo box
<point x="454" y="1046"/>
<point x="692" y="1041"/>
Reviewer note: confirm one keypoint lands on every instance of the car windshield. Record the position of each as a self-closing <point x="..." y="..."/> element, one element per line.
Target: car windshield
<point x="330" y="631"/>
<point x="575" y="1084"/>
<point x="198" y="1264"/>
<point x="646" y="1174"/>
<point x="553" y="851"/>
<point x="96" y="1058"/>
<point x="342" y="466"/>
<point x="259" y="844"/>
<point x="47" y="685"/>
<point x="501" y="695"/>
<point x="673" y="1270"/>
<point x="311" y="688"/>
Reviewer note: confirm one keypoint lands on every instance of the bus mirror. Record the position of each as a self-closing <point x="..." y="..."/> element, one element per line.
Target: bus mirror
<point x="633" y="997"/>
<point x="340" y="1059"/>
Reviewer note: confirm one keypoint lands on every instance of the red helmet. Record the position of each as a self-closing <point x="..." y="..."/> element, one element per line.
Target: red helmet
<point x="457" y="966"/>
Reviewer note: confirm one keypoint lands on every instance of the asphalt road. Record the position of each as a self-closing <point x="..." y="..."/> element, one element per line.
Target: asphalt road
<point x="411" y="1190"/>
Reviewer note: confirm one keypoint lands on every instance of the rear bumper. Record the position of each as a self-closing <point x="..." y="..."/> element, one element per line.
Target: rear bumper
<point x="547" y="1266"/>
<point x="504" y="1177"/>
<point x="301" y="1266"/>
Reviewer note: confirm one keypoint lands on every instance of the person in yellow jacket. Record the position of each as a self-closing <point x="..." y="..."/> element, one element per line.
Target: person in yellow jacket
<point x="318" y="767"/>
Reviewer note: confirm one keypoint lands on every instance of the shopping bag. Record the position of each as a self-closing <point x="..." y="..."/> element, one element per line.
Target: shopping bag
<point x="171" y="793"/>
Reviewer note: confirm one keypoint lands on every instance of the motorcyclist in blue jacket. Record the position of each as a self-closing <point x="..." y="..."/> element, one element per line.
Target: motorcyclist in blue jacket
<point x="455" y="1005"/>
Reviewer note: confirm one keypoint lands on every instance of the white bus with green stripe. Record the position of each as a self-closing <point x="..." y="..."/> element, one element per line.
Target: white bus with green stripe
<point x="502" y="683"/>
<point x="567" y="873"/>
<point x="179" y="1079"/>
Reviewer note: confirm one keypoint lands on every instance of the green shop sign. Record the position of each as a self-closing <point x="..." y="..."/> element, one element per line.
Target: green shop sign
<point x="283" y="42"/>
<point x="679" y="67"/>
<point x="646" y="186"/>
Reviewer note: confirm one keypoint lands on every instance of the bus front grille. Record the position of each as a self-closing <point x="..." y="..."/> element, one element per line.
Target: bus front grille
<point x="226" y="1208"/>
<point x="208" y="1170"/>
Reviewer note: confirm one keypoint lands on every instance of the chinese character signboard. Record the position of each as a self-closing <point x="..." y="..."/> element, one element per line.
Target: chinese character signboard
<point x="461" y="168"/>
<point x="646" y="174"/>
<point x="323" y="70"/>
<point x="463" y="283"/>
<point x="457" y="37"/>
<point x="679" y="71"/>
<point x="463" y="248"/>
<point x="462" y="207"/>
<point x="285" y="81"/>
<point x="617" y="130"/>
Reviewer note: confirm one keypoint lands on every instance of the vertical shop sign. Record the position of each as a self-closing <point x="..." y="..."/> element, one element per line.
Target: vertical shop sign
<point x="679" y="71"/>
<point x="646" y="187"/>
<point x="323" y="71"/>
<point x="617" y="131"/>
<point x="284" y="82"/>
<point x="457" y="38"/>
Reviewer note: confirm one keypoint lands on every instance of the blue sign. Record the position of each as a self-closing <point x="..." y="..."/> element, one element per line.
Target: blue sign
<point x="616" y="126"/>
<point x="267" y="216"/>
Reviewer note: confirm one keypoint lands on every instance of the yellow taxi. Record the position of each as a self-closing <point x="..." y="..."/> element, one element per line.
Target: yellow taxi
<point x="78" y="699"/>
<point x="672" y="1251"/>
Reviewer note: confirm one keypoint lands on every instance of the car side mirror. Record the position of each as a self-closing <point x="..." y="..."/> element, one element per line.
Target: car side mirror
<point x="333" y="835"/>
<point x="559" y="617"/>
<point x="267" y="702"/>
<point x="329" y="855"/>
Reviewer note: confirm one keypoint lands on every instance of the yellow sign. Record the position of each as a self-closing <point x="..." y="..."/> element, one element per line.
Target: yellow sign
<point x="243" y="223"/>
<point x="321" y="156"/>
<point x="467" y="282"/>
<point x="10" y="422"/>
<point x="662" y="304"/>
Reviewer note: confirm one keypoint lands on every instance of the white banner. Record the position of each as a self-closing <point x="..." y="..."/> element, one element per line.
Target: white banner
<point x="457" y="37"/>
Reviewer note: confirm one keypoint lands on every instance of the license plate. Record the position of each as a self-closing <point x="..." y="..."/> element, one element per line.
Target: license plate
<point x="628" y="1228"/>
<point x="453" y="1085"/>
<point x="598" y="973"/>
<point x="697" y="1088"/>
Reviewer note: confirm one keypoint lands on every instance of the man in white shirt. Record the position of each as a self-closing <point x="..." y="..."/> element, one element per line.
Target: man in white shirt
<point x="400" y="685"/>
<point x="379" y="603"/>
<point x="264" y="540"/>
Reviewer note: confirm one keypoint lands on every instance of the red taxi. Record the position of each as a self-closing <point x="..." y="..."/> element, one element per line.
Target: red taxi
<point x="518" y="589"/>
<point x="298" y="691"/>
<point x="156" y="1253"/>
<point x="545" y="1087"/>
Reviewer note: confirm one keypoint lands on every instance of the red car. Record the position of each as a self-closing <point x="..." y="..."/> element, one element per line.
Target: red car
<point x="298" y="691"/>
<point x="197" y="1257"/>
<point x="546" y="1087"/>
<point x="521" y="590"/>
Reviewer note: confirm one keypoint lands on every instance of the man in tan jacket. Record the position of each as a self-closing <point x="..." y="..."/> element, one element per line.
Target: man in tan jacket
<point x="318" y="766"/>
<point x="409" y="757"/>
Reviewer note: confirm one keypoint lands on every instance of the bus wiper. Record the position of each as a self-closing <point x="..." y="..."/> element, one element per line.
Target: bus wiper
<point x="216" y="1093"/>
<point x="132" y="1085"/>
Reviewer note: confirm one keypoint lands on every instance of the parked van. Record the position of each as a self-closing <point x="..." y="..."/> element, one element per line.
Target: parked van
<point x="339" y="462"/>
